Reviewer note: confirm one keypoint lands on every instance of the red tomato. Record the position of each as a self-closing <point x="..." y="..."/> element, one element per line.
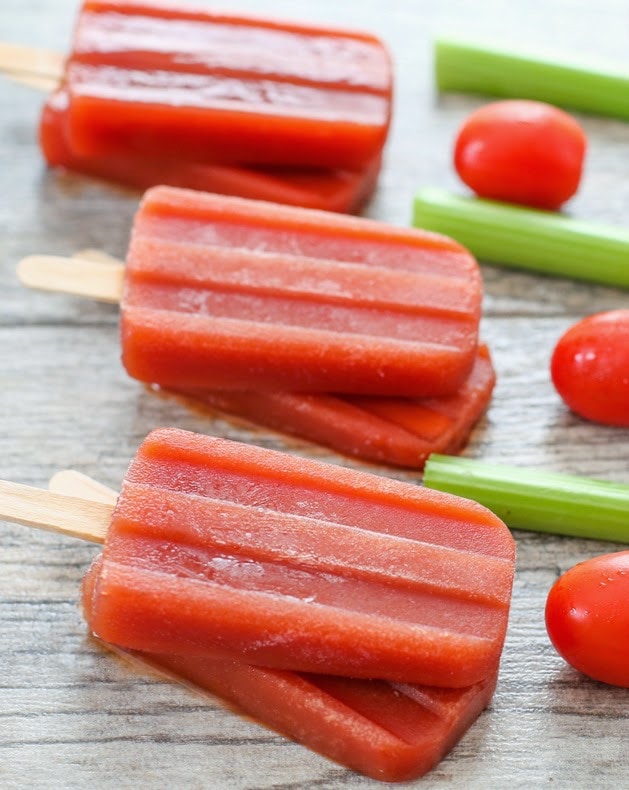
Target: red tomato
<point x="590" y="367"/>
<point x="587" y="617"/>
<point x="521" y="152"/>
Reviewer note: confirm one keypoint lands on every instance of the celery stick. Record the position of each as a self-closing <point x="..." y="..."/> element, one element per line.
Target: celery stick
<point x="536" y="500"/>
<point x="544" y="241"/>
<point x="470" y="67"/>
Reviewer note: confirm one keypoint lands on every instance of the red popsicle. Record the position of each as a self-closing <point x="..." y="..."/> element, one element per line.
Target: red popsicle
<point x="388" y="731"/>
<point x="217" y="548"/>
<point x="398" y="431"/>
<point x="225" y="293"/>
<point x="329" y="190"/>
<point x="164" y="80"/>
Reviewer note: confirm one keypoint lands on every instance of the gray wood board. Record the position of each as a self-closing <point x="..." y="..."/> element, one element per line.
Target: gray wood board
<point x="74" y="716"/>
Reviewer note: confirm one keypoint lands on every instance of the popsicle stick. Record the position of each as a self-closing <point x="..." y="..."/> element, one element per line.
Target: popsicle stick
<point x="95" y="279"/>
<point x="18" y="62"/>
<point x="69" y="482"/>
<point x="98" y="256"/>
<point x="43" y="84"/>
<point x="65" y="515"/>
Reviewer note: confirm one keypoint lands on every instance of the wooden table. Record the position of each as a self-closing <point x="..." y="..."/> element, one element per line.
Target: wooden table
<point x="72" y="715"/>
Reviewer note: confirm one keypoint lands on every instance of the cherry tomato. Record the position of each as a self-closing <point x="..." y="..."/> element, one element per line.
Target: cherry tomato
<point x="590" y="367"/>
<point x="587" y="617"/>
<point x="521" y="152"/>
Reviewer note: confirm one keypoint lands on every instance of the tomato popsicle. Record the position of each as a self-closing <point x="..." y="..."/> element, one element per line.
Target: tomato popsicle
<point x="388" y="731"/>
<point x="239" y="552"/>
<point x="330" y="190"/>
<point x="398" y="431"/>
<point x="226" y="293"/>
<point x="160" y="79"/>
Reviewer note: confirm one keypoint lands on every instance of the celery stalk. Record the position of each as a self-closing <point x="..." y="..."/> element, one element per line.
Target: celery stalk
<point x="536" y="500"/>
<point x="543" y="241"/>
<point x="469" y="67"/>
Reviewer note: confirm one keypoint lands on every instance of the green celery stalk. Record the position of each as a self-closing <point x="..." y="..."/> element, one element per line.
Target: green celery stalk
<point x="470" y="67"/>
<point x="543" y="241"/>
<point x="536" y="500"/>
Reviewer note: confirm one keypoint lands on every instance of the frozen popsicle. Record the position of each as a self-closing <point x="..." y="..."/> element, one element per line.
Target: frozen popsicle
<point x="330" y="190"/>
<point x="156" y="79"/>
<point x="268" y="297"/>
<point x="391" y="731"/>
<point x="388" y="731"/>
<point x="226" y="293"/>
<point x="398" y="431"/>
<point x="221" y="548"/>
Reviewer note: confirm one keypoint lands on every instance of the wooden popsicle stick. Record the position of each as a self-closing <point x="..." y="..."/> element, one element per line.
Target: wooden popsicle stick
<point x="67" y="515"/>
<point x="95" y="279"/>
<point x="19" y="62"/>
<point x="43" y="84"/>
<point x="90" y="254"/>
<point x="69" y="482"/>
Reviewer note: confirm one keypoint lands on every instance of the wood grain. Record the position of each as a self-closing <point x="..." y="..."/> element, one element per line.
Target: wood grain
<point x="73" y="716"/>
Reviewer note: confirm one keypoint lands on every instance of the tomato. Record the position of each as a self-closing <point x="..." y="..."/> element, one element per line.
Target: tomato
<point x="521" y="152"/>
<point x="587" y="617"/>
<point x="590" y="367"/>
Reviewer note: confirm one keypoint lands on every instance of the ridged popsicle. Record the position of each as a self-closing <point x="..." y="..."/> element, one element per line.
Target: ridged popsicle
<point x="230" y="550"/>
<point x="159" y="79"/>
<point x="226" y="293"/>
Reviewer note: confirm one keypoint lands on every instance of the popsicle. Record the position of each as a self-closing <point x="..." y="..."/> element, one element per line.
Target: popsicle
<point x="391" y="731"/>
<point x="398" y="431"/>
<point x="156" y="79"/>
<point x="218" y="548"/>
<point x="330" y="190"/>
<point x="388" y="731"/>
<point x="226" y="293"/>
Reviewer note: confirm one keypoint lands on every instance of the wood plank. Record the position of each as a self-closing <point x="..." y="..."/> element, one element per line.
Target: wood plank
<point x="73" y="715"/>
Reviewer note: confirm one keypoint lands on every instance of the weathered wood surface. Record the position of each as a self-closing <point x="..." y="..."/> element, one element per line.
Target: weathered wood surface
<point x="73" y="716"/>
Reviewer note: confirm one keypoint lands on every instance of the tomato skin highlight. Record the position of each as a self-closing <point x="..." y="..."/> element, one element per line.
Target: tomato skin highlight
<point x="521" y="151"/>
<point x="590" y="368"/>
<point x="587" y="617"/>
